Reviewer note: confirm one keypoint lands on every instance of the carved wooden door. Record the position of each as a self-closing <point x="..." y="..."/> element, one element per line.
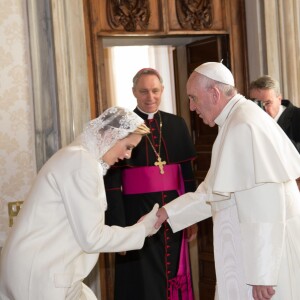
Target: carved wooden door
<point x="221" y="20"/>
<point x="211" y="49"/>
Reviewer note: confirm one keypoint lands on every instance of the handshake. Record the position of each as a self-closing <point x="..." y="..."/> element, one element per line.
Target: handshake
<point x="153" y="220"/>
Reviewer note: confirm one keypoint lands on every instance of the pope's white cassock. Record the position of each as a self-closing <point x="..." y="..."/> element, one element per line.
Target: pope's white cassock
<point x="251" y="193"/>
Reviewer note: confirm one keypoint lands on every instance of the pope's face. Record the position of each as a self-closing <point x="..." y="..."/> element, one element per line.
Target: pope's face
<point x="122" y="149"/>
<point x="270" y="102"/>
<point x="148" y="91"/>
<point x="201" y="100"/>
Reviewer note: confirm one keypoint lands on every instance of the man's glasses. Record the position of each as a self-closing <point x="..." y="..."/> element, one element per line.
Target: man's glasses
<point x="259" y="103"/>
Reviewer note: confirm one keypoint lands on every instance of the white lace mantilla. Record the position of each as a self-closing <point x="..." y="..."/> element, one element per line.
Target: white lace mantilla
<point x="103" y="132"/>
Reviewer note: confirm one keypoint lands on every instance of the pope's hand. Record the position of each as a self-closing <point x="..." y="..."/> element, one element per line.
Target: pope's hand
<point x="262" y="292"/>
<point x="149" y="220"/>
<point x="162" y="216"/>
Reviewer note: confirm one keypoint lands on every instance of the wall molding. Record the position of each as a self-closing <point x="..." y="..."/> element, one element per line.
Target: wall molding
<point x="59" y="73"/>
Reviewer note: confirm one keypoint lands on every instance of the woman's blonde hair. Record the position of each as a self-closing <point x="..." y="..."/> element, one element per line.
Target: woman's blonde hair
<point x="142" y="129"/>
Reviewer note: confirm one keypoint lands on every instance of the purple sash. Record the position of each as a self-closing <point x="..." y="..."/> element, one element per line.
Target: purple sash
<point x="182" y="283"/>
<point x="142" y="180"/>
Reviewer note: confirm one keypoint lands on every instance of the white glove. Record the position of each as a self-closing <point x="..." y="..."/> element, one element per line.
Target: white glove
<point x="149" y="220"/>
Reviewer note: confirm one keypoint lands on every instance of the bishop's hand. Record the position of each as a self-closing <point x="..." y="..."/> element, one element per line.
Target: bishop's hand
<point x="191" y="232"/>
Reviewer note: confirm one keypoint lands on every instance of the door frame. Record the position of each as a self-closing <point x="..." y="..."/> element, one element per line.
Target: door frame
<point x="234" y="19"/>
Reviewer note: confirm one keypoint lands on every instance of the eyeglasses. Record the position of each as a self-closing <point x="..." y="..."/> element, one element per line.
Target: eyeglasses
<point x="259" y="103"/>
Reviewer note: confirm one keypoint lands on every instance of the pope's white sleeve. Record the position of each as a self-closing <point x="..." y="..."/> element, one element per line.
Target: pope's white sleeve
<point x="188" y="209"/>
<point x="261" y="213"/>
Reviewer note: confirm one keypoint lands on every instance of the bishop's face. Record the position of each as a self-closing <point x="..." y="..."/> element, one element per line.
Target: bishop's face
<point x="148" y="91"/>
<point x="270" y="101"/>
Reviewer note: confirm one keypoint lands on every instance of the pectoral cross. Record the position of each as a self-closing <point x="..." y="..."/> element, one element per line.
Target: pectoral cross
<point x="160" y="164"/>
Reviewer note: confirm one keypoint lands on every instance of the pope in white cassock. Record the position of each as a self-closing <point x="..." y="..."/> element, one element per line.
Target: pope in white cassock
<point x="250" y="191"/>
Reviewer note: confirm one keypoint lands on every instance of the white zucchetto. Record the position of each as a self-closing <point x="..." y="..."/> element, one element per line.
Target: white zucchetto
<point x="216" y="71"/>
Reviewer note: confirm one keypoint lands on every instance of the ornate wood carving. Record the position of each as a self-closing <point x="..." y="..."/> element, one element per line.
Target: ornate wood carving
<point x="194" y="14"/>
<point x="128" y="13"/>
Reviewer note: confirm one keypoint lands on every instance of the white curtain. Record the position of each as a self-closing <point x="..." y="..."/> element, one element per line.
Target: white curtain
<point x="273" y="33"/>
<point x="123" y="62"/>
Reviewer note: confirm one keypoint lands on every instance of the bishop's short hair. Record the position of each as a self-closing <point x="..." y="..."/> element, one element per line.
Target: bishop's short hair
<point x="146" y="71"/>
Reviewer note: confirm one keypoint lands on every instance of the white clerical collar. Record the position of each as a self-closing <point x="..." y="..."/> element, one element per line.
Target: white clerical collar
<point x="281" y="109"/>
<point x="150" y="115"/>
<point x="221" y="118"/>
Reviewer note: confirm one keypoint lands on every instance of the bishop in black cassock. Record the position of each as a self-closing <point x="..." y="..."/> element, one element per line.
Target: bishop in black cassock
<point x="146" y="274"/>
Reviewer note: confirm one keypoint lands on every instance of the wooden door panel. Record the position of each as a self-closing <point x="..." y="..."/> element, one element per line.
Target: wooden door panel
<point x="207" y="277"/>
<point x="192" y="15"/>
<point x="211" y="49"/>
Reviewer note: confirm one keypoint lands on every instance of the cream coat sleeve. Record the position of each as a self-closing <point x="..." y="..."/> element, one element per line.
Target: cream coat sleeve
<point x="261" y="212"/>
<point x="188" y="209"/>
<point x="84" y="197"/>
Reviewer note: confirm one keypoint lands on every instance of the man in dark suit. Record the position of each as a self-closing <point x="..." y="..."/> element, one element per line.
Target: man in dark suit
<point x="266" y="92"/>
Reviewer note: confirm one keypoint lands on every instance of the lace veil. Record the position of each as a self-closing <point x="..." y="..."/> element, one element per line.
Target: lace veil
<point x="102" y="133"/>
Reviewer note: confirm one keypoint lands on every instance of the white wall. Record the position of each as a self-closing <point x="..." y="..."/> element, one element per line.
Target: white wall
<point x="17" y="155"/>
